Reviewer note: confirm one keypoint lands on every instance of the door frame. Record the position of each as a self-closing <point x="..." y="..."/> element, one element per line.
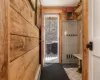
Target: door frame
<point x="85" y="40"/>
<point x="44" y="11"/>
<point x="58" y="16"/>
<point x="85" y="37"/>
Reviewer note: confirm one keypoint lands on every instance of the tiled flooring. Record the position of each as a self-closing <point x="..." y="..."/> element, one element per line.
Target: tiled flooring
<point x="73" y="74"/>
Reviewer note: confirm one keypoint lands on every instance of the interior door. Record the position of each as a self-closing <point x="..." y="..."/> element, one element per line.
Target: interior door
<point x="94" y="36"/>
<point x="51" y="37"/>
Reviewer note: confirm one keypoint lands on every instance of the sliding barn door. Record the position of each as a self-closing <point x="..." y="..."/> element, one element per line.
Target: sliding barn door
<point x="69" y="41"/>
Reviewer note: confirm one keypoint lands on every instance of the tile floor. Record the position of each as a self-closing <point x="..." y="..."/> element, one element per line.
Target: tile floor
<point x="73" y="74"/>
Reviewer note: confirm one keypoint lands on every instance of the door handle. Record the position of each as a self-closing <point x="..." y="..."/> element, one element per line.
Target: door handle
<point x="90" y="46"/>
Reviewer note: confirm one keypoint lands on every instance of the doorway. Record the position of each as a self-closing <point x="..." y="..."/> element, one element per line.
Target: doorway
<point x="51" y="38"/>
<point x="83" y="17"/>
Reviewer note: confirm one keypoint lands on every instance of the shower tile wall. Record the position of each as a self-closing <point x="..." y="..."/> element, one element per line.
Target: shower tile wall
<point x="69" y="41"/>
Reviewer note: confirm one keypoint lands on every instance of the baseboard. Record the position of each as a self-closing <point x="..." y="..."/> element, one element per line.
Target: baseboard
<point x="38" y="73"/>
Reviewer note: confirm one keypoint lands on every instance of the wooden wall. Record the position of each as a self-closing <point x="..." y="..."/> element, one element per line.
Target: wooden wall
<point x="85" y="39"/>
<point x="4" y="40"/>
<point x="19" y="54"/>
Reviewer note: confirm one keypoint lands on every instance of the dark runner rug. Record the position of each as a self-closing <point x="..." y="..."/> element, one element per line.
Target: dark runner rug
<point x="54" y="72"/>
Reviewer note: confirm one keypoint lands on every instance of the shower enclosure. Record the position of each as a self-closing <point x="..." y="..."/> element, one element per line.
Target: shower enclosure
<point x="69" y="41"/>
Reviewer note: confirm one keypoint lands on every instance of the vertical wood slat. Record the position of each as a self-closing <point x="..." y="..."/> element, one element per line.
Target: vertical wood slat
<point x="27" y="40"/>
<point x="30" y="73"/>
<point x="85" y="38"/>
<point x="4" y="37"/>
<point x="24" y="46"/>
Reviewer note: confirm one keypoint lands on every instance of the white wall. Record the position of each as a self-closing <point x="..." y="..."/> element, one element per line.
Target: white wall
<point x="69" y="42"/>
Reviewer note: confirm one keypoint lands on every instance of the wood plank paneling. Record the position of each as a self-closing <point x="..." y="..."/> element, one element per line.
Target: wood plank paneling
<point x="4" y="31"/>
<point x="60" y="40"/>
<point x="19" y="41"/>
<point x="17" y="46"/>
<point x="24" y="67"/>
<point x="24" y="45"/>
<point x="20" y="45"/>
<point x="31" y="43"/>
<point x="30" y="73"/>
<point x="20" y="26"/>
<point x="22" y="7"/>
<point x="26" y="11"/>
<point x="85" y="38"/>
<point x="33" y="31"/>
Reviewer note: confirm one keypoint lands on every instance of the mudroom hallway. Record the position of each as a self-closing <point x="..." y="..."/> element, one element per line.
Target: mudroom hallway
<point x="62" y="40"/>
<point x="49" y="40"/>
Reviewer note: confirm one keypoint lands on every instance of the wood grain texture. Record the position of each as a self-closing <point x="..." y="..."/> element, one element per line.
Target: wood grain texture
<point x="79" y="9"/>
<point x="52" y="10"/>
<point x="85" y="38"/>
<point x="17" y="46"/>
<point x="20" y="26"/>
<point x="23" y="7"/>
<point x="4" y="35"/>
<point x="19" y="41"/>
<point x="38" y="12"/>
<point x="20" y="45"/>
<point x="30" y="73"/>
<point x="24" y="67"/>
<point x="60" y="40"/>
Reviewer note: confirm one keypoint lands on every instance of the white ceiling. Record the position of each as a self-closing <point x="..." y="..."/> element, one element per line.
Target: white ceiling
<point x="60" y="2"/>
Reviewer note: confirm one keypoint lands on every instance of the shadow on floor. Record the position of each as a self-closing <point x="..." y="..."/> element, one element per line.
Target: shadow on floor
<point x="72" y="65"/>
